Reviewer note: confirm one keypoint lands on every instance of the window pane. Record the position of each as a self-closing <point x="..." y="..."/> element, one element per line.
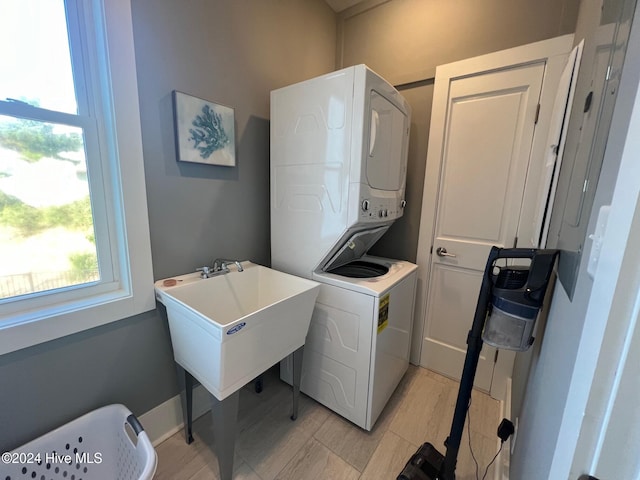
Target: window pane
<point x="34" y="48"/>
<point x="47" y="239"/>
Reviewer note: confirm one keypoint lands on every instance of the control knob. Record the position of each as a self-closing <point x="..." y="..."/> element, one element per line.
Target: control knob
<point x="365" y="205"/>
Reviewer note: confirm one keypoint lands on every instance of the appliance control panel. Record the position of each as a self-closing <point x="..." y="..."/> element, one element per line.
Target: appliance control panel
<point x="377" y="209"/>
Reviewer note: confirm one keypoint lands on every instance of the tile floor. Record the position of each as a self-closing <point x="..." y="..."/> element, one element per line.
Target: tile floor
<point x="322" y="445"/>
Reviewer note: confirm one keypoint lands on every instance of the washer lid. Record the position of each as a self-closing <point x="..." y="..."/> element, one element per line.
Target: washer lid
<point x="355" y="247"/>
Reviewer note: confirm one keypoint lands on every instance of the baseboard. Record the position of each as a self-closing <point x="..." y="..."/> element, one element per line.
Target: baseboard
<point x="166" y="419"/>
<point x="502" y="462"/>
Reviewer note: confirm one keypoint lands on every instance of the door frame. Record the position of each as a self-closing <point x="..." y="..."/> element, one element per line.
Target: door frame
<point x="554" y="52"/>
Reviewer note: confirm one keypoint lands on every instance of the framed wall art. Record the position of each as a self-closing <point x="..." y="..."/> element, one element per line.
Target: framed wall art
<point x="205" y="131"/>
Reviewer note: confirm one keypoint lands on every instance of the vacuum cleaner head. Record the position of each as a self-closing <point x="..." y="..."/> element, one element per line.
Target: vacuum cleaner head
<point x="425" y="464"/>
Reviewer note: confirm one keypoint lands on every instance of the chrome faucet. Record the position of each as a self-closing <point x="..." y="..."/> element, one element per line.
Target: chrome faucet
<point x="220" y="267"/>
<point x="221" y="264"/>
<point x="207" y="272"/>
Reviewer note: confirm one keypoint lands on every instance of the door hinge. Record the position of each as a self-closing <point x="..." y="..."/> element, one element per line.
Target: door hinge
<point x="495" y="358"/>
<point x="535" y="122"/>
<point x="515" y="242"/>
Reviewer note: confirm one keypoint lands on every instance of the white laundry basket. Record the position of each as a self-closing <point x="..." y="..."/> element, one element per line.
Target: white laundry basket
<point x="106" y="444"/>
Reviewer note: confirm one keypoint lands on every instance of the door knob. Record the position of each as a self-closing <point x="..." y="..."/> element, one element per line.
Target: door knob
<point x="442" y="252"/>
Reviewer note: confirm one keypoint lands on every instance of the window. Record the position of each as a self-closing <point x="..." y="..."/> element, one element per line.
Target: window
<point x="48" y="134"/>
<point x="74" y="238"/>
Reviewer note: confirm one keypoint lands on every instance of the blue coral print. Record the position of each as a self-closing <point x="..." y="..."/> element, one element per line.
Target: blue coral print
<point x="208" y="134"/>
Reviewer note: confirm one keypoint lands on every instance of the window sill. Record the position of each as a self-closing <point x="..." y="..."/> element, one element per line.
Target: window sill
<point x="33" y="327"/>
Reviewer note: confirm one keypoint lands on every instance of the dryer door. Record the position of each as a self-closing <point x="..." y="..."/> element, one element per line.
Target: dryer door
<point x="386" y="155"/>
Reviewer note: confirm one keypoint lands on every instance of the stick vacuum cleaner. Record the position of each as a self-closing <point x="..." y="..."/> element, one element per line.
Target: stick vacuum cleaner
<point x="508" y="305"/>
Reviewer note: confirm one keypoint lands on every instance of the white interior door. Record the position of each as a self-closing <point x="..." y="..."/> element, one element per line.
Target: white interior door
<point x="489" y="126"/>
<point x="484" y="166"/>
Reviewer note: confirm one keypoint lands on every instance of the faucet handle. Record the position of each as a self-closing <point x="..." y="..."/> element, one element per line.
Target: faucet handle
<point x="223" y="264"/>
<point x="205" y="271"/>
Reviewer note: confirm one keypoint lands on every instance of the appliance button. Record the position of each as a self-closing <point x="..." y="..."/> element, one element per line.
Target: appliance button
<point x="365" y="205"/>
<point x="381" y="213"/>
<point x="386" y="212"/>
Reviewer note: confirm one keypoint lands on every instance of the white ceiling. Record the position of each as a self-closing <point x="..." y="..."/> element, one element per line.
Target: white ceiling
<point x="340" y="5"/>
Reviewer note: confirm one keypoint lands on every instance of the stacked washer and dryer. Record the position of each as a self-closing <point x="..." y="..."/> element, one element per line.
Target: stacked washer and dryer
<point x="338" y="167"/>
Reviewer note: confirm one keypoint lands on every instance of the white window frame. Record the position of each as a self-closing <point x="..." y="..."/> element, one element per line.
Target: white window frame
<point x="118" y="198"/>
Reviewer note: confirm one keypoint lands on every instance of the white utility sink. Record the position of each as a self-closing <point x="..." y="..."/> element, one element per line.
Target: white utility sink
<point x="228" y="329"/>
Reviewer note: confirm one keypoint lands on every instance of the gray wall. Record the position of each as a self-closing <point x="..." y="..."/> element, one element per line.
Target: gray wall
<point x="44" y="386"/>
<point x="554" y="362"/>
<point x="405" y="40"/>
<point x="233" y="53"/>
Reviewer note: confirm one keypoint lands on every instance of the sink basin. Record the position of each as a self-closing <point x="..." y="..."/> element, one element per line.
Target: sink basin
<point x="228" y="329"/>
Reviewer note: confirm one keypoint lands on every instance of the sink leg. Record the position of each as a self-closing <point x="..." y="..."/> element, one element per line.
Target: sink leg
<point x="258" y="384"/>
<point x="186" y="396"/>
<point x="225" y="416"/>
<point x="297" y="375"/>
<point x="188" y="424"/>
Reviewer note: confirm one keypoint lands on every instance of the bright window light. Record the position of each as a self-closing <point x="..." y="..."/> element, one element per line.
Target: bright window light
<point x="74" y="237"/>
